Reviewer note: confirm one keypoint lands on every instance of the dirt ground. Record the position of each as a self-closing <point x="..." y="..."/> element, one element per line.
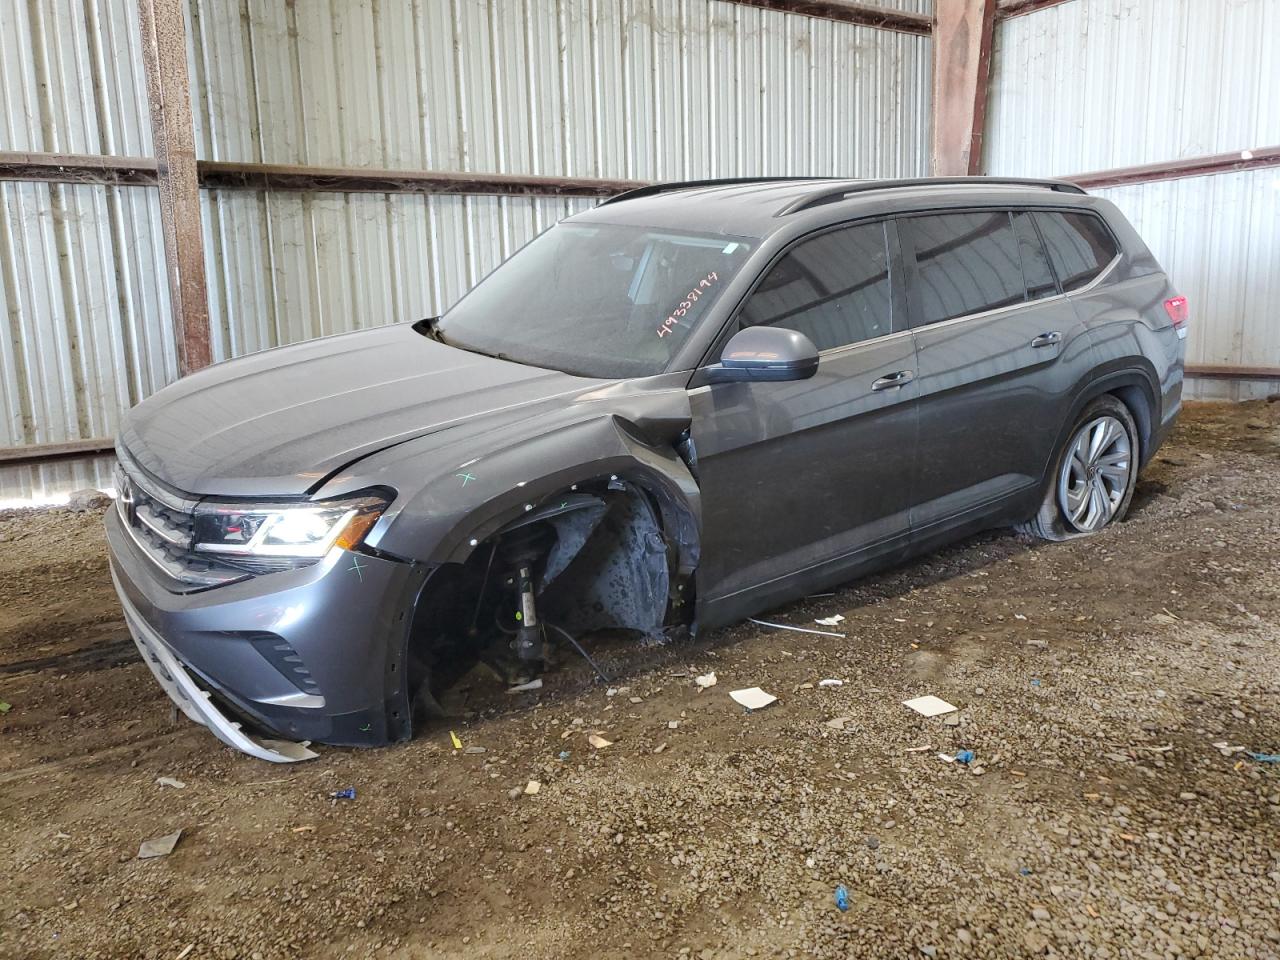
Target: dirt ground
<point x="1111" y="689"/>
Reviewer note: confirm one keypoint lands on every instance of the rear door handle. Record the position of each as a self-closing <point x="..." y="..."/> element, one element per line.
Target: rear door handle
<point x="1047" y="339"/>
<point x="899" y="379"/>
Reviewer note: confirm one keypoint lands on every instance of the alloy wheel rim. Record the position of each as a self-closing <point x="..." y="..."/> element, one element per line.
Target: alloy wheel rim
<point x="1095" y="474"/>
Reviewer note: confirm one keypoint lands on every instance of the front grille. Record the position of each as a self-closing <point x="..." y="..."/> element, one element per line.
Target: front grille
<point x="161" y="524"/>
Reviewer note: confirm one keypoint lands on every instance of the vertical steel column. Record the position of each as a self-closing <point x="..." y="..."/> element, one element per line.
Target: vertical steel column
<point x="164" y="54"/>
<point x="962" y="35"/>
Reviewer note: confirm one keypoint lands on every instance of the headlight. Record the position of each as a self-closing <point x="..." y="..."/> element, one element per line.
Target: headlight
<point x="287" y="530"/>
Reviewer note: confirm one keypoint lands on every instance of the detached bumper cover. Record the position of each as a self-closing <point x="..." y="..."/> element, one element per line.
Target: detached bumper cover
<point x="314" y="654"/>
<point x="198" y="704"/>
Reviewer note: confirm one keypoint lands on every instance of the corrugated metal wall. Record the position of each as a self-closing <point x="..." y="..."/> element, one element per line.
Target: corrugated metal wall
<point x="642" y="89"/>
<point x="1097" y="84"/>
<point x="638" y="89"/>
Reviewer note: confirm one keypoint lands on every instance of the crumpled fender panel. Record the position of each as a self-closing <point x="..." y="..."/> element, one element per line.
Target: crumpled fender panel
<point x="464" y="485"/>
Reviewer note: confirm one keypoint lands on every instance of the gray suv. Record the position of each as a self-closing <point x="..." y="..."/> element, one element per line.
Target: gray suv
<point x="690" y="404"/>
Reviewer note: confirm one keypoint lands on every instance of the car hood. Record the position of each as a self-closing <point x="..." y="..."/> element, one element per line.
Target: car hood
<point x="278" y="423"/>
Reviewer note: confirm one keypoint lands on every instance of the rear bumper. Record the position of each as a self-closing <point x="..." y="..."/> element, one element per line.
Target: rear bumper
<point x="314" y="654"/>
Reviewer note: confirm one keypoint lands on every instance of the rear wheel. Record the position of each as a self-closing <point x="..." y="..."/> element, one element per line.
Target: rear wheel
<point x="1093" y="476"/>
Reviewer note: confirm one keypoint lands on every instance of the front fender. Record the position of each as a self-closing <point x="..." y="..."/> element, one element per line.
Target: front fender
<point x="456" y="488"/>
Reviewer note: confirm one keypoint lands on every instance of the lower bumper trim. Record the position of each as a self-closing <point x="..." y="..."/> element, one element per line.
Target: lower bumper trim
<point x="198" y="704"/>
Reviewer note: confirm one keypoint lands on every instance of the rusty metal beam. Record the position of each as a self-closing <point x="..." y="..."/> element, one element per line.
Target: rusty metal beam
<point x="164" y="55"/>
<point x="40" y="452"/>
<point x="1230" y="372"/>
<point x="266" y="176"/>
<point x="1179" y="169"/>
<point x="78" y="168"/>
<point x="962" y="36"/>
<point x="846" y="11"/>
<point x="1016" y="8"/>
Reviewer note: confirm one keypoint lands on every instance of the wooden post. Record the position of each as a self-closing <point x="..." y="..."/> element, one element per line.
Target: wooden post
<point x="962" y="35"/>
<point x="164" y="54"/>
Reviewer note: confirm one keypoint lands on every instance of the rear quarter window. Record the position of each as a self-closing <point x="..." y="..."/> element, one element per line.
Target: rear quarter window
<point x="965" y="263"/>
<point x="1079" y="245"/>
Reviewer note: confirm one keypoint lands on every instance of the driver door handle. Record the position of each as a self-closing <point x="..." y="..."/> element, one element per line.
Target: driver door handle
<point x="1047" y="339"/>
<point x="899" y="379"/>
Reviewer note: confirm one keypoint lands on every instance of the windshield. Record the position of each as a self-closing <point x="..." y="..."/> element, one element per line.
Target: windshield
<point x="598" y="300"/>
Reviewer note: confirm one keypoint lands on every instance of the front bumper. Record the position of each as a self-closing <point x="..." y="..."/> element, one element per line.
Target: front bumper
<point x="314" y="654"/>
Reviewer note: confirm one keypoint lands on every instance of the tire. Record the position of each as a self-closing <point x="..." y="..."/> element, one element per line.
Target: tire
<point x="1087" y="489"/>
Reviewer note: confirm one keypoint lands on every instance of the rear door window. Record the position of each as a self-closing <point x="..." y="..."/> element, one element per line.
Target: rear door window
<point x="965" y="263"/>
<point x="834" y="288"/>
<point x="1080" y="246"/>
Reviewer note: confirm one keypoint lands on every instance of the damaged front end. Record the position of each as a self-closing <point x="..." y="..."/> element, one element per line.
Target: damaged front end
<point x="602" y="560"/>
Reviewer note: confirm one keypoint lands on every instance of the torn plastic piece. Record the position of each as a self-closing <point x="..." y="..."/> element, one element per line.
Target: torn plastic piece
<point x="842" y="898"/>
<point x="159" y="846"/>
<point x="1265" y="757"/>
<point x="170" y="782"/>
<point x="830" y="621"/>
<point x="535" y="684"/>
<point x="964" y="756"/>
<point x="598" y="741"/>
<point x="348" y="793"/>
<point x="831" y="683"/>
<point x="706" y="680"/>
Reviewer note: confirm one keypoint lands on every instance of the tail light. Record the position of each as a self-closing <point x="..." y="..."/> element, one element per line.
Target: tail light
<point x="1176" y="308"/>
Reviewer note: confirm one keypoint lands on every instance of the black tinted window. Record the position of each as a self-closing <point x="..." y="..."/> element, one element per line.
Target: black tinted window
<point x="966" y="263"/>
<point x="1079" y="246"/>
<point x="833" y="288"/>
<point x="1035" y="265"/>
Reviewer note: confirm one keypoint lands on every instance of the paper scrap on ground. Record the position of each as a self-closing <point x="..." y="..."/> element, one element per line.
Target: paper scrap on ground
<point x="930" y="706"/>
<point x="532" y="787"/>
<point x="523" y="687"/>
<point x="159" y="846"/>
<point x="753" y="698"/>
<point x="170" y="782"/>
<point x="598" y="741"/>
<point x="831" y="683"/>
<point x="837" y="723"/>
<point x="830" y="621"/>
<point x="706" y="680"/>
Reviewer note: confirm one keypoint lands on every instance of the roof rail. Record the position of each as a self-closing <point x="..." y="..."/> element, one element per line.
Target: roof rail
<point x="833" y="196"/>
<point x="655" y="188"/>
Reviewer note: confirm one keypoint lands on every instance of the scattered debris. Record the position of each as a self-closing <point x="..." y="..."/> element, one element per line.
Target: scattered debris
<point x="673" y="724"/>
<point x="348" y="793"/>
<point x="170" y="782"/>
<point x="185" y="950"/>
<point x="659" y="748"/>
<point x="5" y="707"/>
<point x="925" y="749"/>
<point x="563" y="755"/>
<point x="598" y="741"/>
<point x="531" y="788"/>
<point x="952" y="720"/>
<point x="308" y="828"/>
<point x="159" y="846"/>
<point x="830" y="621"/>
<point x="842" y="898"/>
<point x="785" y="626"/>
<point x="475" y="750"/>
<point x="1035" y="681"/>
<point x="831" y="683"/>
<point x="964" y="756"/>
<point x="636" y="699"/>
<point x="1265" y="757"/>
<point x="706" y="680"/>
<point x="457" y="744"/>
<point x="753" y="698"/>
<point x="525" y="687"/>
<point x="929" y="706"/>
<point x="837" y="723"/>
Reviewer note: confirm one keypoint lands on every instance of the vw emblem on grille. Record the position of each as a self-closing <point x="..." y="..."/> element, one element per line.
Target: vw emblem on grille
<point x="128" y="506"/>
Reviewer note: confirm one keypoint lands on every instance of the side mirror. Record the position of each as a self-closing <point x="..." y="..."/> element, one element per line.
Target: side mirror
<point x="764" y="353"/>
